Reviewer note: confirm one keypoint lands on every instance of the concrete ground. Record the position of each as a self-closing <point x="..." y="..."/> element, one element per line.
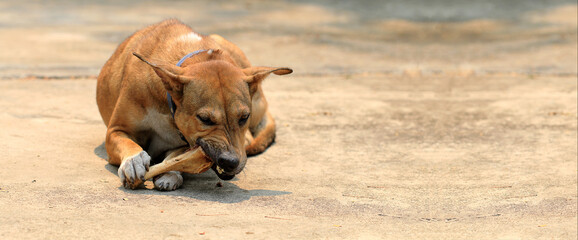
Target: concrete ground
<point x="403" y="120"/>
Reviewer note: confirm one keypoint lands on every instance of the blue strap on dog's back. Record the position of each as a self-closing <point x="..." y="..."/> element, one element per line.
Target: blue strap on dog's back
<point x="189" y="55"/>
<point x="170" y="99"/>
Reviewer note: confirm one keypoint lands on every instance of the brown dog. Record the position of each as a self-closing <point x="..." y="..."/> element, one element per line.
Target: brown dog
<point x="153" y="107"/>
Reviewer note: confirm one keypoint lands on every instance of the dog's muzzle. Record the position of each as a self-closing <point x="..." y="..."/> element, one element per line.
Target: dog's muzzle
<point x="225" y="163"/>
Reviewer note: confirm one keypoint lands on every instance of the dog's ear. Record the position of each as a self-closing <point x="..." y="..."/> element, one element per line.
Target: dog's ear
<point x="255" y="75"/>
<point x="170" y="75"/>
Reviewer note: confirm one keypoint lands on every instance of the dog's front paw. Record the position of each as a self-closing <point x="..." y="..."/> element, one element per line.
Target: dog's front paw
<point x="134" y="168"/>
<point x="168" y="181"/>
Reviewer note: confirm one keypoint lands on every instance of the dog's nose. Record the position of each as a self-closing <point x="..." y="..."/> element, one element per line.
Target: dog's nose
<point x="228" y="161"/>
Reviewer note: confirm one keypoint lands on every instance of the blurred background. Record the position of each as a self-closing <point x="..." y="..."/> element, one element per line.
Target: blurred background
<point x="63" y="38"/>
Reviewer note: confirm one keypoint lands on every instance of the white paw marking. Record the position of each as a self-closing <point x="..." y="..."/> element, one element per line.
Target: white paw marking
<point x="168" y="181"/>
<point x="133" y="168"/>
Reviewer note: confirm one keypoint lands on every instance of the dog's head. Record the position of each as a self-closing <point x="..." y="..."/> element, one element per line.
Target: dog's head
<point x="213" y="105"/>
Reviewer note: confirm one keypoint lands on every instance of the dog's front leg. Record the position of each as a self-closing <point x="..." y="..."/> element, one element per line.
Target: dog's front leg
<point x="262" y="136"/>
<point x="133" y="160"/>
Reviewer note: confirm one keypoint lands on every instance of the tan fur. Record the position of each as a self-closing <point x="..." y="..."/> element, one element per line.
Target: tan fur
<point x="131" y="96"/>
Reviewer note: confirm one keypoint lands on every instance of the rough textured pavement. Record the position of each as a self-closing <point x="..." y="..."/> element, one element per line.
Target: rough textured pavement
<point x="402" y="120"/>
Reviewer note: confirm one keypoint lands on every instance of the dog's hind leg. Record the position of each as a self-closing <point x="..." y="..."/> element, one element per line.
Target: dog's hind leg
<point x="263" y="136"/>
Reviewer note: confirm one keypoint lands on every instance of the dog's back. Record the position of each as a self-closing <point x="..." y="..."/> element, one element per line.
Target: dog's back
<point x="168" y="40"/>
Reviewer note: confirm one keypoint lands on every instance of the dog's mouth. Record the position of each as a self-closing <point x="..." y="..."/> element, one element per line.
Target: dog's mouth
<point x="221" y="172"/>
<point x="220" y="167"/>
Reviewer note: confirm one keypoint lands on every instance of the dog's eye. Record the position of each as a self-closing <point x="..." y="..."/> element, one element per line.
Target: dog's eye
<point x="243" y="119"/>
<point x="206" y="120"/>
